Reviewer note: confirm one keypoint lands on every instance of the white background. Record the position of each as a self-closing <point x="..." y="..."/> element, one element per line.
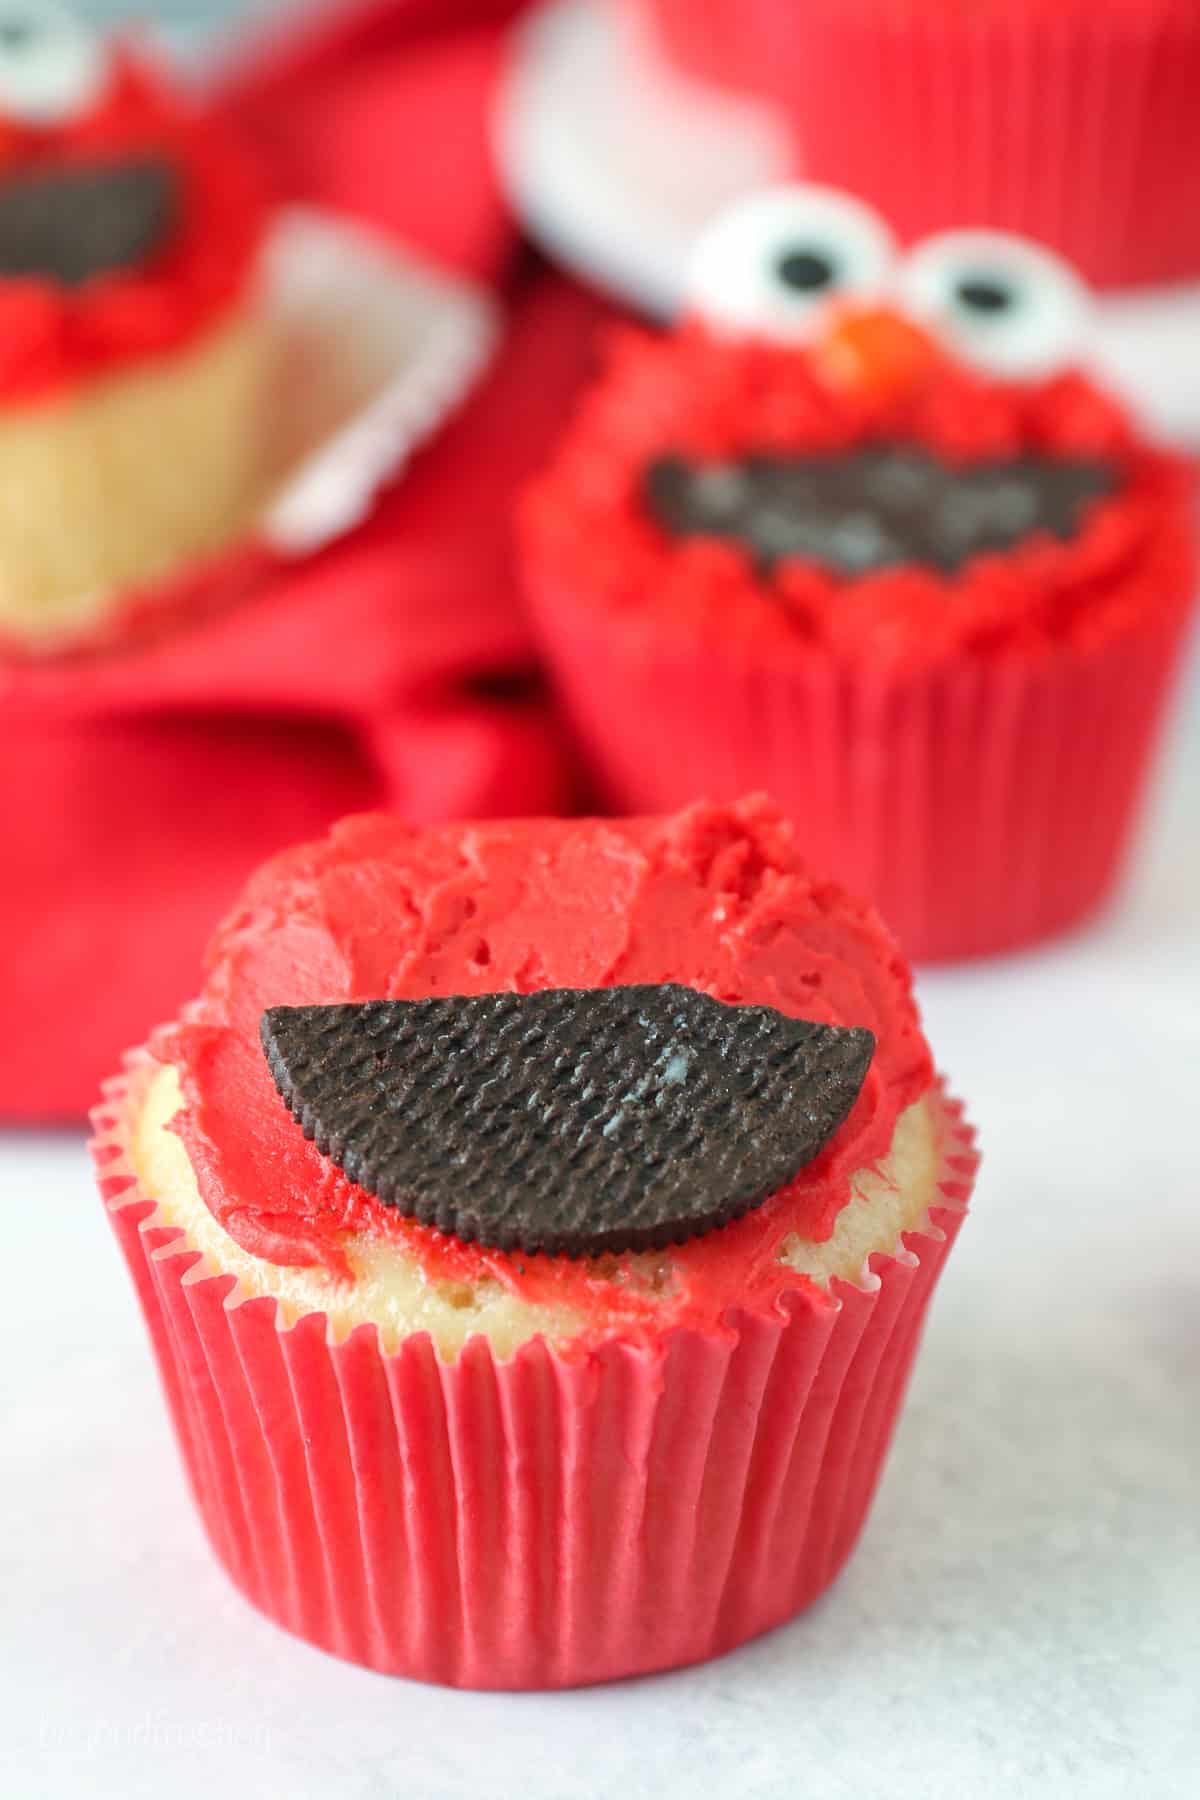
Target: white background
<point x="1021" y="1618"/>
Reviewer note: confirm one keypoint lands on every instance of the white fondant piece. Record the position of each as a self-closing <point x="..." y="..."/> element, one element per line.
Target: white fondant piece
<point x="734" y="277"/>
<point x="1051" y="312"/>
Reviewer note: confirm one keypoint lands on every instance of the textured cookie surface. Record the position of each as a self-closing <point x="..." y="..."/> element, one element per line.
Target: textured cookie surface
<point x="875" y="507"/>
<point x="74" y="223"/>
<point x="571" y="1121"/>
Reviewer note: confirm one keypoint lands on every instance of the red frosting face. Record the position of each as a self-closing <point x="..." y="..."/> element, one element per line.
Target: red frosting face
<point x="715" y="898"/>
<point x="724" y="403"/>
<point x="206" y="209"/>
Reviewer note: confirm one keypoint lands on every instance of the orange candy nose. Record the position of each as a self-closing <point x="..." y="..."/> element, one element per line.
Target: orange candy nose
<point x="876" y="349"/>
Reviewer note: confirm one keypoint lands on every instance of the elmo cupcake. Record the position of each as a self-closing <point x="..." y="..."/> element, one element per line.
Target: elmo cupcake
<point x="132" y="359"/>
<point x="858" y="532"/>
<point x="534" y="1224"/>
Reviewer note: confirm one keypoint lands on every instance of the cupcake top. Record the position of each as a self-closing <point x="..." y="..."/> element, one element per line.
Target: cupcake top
<point x="129" y="219"/>
<point x="638" y="952"/>
<point x="837" y="452"/>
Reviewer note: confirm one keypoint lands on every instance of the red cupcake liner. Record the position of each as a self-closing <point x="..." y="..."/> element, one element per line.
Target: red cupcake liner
<point x="545" y="1521"/>
<point x="981" y="804"/>
<point x="1073" y="123"/>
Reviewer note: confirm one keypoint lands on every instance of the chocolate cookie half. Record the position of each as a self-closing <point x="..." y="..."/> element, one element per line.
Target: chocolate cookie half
<point x="873" y="508"/>
<point x="73" y="222"/>
<point x="571" y="1121"/>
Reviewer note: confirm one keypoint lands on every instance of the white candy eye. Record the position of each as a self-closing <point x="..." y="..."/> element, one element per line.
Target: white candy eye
<point x="1001" y="302"/>
<point x="52" y="68"/>
<point x="772" y="266"/>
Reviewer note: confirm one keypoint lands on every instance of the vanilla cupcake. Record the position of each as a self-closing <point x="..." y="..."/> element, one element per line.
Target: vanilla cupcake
<point x="534" y="1224"/>
<point x="862" y="530"/>
<point x="131" y="358"/>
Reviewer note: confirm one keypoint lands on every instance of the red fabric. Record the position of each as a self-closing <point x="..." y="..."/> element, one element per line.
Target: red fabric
<point x="384" y="111"/>
<point x="140" y="788"/>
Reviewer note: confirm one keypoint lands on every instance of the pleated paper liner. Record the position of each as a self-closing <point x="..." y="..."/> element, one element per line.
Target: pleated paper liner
<point x="1072" y="122"/>
<point x="981" y="805"/>
<point x="544" y="1521"/>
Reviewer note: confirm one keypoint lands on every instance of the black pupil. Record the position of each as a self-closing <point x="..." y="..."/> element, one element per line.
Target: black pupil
<point x="17" y="34"/>
<point x="986" y="294"/>
<point x="807" y="270"/>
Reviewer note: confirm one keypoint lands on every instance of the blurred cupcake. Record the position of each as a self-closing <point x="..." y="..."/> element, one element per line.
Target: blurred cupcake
<point x="534" y="1224"/>
<point x="855" y="534"/>
<point x="1072" y="121"/>
<point x="131" y="357"/>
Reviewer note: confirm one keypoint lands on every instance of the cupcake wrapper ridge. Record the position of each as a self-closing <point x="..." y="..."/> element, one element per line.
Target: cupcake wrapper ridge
<point x="545" y="1521"/>
<point x="1076" y="125"/>
<point x="982" y="804"/>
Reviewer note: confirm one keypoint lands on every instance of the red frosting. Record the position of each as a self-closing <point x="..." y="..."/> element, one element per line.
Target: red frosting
<point x="51" y="336"/>
<point x="589" y="532"/>
<point x="716" y="897"/>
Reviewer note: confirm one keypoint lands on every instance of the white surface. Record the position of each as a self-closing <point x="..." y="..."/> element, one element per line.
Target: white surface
<point x="1020" y="1619"/>
<point x="616" y="165"/>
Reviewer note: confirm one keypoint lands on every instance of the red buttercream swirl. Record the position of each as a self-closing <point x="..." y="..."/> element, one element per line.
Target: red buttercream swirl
<point x="715" y="897"/>
<point x="590" y="534"/>
<point x="52" y="336"/>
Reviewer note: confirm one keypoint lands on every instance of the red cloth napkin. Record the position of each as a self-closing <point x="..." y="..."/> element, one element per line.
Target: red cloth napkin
<point x="383" y="111"/>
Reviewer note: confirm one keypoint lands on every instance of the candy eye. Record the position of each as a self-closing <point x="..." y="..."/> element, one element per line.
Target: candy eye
<point x="51" y="67"/>
<point x="999" y="301"/>
<point x="772" y="266"/>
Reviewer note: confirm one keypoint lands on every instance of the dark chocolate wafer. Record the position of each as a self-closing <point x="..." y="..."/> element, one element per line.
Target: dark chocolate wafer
<point x="875" y="507"/>
<point x="70" y="222"/>
<point x="571" y="1121"/>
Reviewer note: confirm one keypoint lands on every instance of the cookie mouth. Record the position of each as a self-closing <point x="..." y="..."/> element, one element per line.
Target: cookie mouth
<point x="576" y="1122"/>
<point x="70" y="223"/>
<point x="859" y="511"/>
